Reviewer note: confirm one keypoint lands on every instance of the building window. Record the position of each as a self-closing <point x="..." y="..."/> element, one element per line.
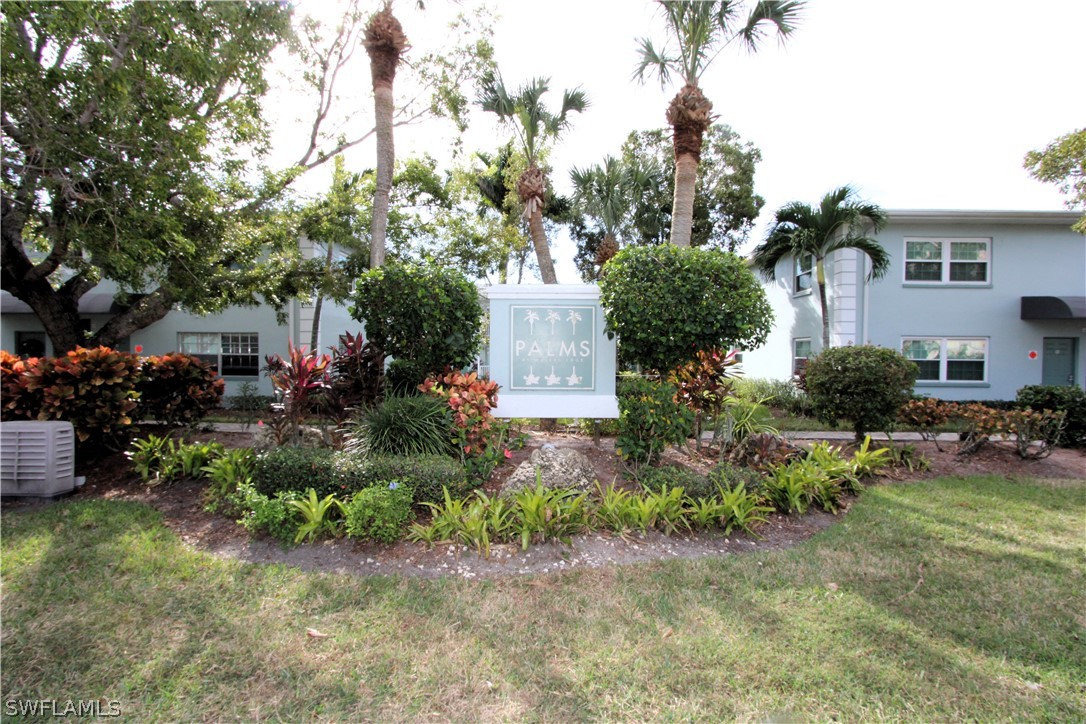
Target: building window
<point x="802" y="273"/>
<point x="231" y="354"/>
<point x="943" y="359"/>
<point x="947" y="261"/>
<point x="801" y="352"/>
<point x="30" y="344"/>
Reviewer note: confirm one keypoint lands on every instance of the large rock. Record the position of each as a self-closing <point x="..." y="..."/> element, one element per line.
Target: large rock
<point x="559" y="468"/>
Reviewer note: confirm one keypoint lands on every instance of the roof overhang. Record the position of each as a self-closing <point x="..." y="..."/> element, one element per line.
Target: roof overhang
<point x="89" y="303"/>
<point x="971" y="216"/>
<point x="1053" y="307"/>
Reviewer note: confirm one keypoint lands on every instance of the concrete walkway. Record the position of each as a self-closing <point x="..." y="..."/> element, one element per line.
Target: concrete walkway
<point x="841" y="435"/>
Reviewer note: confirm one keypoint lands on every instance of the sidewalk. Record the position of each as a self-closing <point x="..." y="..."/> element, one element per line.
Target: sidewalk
<point x="842" y="435"/>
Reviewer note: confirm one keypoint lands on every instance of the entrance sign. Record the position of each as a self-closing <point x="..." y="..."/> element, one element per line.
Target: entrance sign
<point x="549" y="353"/>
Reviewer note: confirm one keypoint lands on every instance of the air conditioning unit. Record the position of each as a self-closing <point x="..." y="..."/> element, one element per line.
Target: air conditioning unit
<point x="37" y="458"/>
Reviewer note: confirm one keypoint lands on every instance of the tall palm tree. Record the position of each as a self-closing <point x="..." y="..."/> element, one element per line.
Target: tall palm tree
<point x="385" y="42"/>
<point x="608" y="193"/>
<point x="701" y="29"/>
<point x="533" y="125"/>
<point x="841" y="221"/>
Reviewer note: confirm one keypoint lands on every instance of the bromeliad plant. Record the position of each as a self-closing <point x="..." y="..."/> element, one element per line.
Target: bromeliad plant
<point x="314" y="513"/>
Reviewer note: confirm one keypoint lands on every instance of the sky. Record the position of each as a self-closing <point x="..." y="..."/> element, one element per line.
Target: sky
<point x="925" y="104"/>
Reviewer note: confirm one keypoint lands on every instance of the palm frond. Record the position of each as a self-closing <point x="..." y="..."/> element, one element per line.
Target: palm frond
<point x="652" y="61"/>
<point x="784" y="15"/>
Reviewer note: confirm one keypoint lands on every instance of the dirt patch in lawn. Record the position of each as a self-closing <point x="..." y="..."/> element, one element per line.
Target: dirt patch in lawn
<point x="182" y="507"/>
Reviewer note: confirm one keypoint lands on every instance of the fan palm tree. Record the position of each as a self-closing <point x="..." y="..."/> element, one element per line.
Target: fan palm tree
<point x="385" y="42"/>
<point x="533" y="125"/>
<point x="841" y="221"/>
<point x="608" y="193"/>
<point x="701" y="29"/>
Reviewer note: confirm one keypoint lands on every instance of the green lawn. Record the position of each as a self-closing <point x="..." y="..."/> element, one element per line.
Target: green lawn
<point x="949" y="599"/>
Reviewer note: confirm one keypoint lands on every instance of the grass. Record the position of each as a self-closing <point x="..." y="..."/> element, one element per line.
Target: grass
<point x="948" y="599"/>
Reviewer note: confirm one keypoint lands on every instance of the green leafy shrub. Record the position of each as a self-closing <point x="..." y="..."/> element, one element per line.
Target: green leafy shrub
<point x="728" y="476"/>
<point x="271" y="515"/>
<point x="94" y="389"/>
<point x="649" y="420"/>
<point x="864" y="384"/>
<point x="379" y="513"/>
<point x="867" y="461"/>
<point x="655" y="479"/>
<point x="1071" y="400"/>
<point x="426" y="317"/>
<point x="665" y="303"/>
<point x="412" y="425"/>
<point x="425" y="475"/>
<point x="833" y="464"/>
<point x="225" y="473"/>
<point x="177" y="389"/>
<point x="297" y="469"/>
<point x="343" y="474"/>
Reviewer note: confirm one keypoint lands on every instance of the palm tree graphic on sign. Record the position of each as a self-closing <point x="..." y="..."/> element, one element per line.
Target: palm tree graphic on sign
<point x="552" y="317"/>
<point x="531" y="318"/>
<point x="574" y="317"/>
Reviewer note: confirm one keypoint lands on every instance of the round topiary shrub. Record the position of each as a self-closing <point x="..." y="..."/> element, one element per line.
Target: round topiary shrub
<point x="427" y="317"/>
<point x="865" y="385"/>
<point x="666" y="303"/>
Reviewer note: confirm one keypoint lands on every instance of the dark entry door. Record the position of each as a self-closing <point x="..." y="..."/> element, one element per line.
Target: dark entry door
<point x="1058" y="363"/>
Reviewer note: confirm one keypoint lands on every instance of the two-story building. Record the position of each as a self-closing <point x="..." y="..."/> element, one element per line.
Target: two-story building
<point x="984" y="302"/>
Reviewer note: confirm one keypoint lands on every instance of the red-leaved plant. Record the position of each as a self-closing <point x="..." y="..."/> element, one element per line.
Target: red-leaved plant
<point x="302" y="377"/>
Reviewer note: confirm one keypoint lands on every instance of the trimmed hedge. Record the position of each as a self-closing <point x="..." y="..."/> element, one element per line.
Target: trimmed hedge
<point x="342" y="474"/>
<point x="1071" y="400"/>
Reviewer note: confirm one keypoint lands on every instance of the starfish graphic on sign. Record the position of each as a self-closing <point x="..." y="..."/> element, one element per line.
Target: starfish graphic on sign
<point x="531" y="378"/>
<point x="553" y="379"/>
<point x="573" y="379"/>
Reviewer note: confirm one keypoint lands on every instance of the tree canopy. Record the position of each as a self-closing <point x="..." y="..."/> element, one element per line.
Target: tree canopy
<point x="133" y="154"/>
<point x="725" y="205"/>
<point x="1063" y="162"/>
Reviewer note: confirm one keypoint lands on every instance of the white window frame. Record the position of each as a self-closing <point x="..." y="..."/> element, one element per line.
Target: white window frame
<point x="212" y="347"/>
<point x="796" y="357"/>
<point x="799" y="271"/>
<point x="946" y="260"/>
<point x="944" y="361"/>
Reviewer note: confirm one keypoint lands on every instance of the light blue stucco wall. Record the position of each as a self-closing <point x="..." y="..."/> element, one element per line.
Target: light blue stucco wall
<point x="1031" y="255"/>
<point x="1027" y="259"/>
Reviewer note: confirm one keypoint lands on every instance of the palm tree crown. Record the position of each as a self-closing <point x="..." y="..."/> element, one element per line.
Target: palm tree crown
<point x="532" y="124"/>
<point x="841" y="221"/>
<point x="700" y="30"/>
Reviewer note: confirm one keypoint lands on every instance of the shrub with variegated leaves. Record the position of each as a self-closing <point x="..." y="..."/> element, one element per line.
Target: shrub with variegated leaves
<point x="94" y="389"/>
<point x="177" y="389"/>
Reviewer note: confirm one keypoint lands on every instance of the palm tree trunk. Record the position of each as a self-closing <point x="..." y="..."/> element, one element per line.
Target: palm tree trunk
<point x="542" y="251"/>
<point x="820" y="282"/>
<point x="682" y="215"/>
<point x="386" y="159"/>
<point x="314" y="334"/>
